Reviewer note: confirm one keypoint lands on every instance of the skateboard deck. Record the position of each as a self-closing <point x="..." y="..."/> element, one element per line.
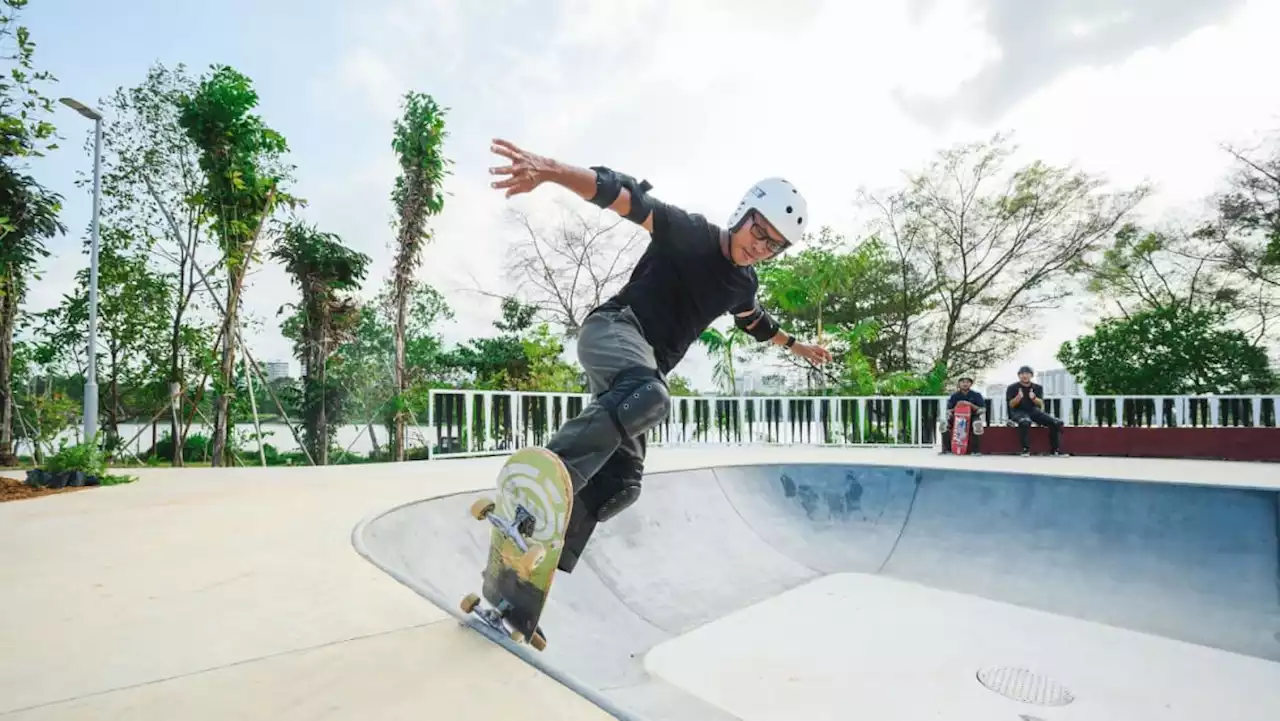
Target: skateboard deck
<point x="960" y="429"/>
<point x="528" y="514"/>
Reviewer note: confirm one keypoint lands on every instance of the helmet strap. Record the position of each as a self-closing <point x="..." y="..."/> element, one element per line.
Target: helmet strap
<point x="725" y="240"/>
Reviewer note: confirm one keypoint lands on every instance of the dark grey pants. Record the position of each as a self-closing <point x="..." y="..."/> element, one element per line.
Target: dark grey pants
<point x="598" y="458"/>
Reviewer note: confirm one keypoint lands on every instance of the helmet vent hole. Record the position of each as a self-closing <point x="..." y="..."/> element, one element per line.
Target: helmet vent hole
<point x="799" y="220"/>
<point x="789" y="209"/>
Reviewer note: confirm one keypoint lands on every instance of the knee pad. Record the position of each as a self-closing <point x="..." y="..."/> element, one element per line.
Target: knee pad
<point x="638" y="401"/>
<point x="615" y="488"/>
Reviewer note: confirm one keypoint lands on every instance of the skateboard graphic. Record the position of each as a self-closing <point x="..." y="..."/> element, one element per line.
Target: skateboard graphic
<point x="960" y="428"/>
<point x="529" y="515"/>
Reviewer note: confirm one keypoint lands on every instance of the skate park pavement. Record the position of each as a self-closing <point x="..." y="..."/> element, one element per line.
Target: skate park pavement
<point x="292" y="593"/>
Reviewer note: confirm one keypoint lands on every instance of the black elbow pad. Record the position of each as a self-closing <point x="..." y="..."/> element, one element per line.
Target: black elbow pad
<point x="765" y="329"/>
<point x="609" y="185"/>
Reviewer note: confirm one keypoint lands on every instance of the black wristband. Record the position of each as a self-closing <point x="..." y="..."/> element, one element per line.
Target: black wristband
<point x="791" y="340"/>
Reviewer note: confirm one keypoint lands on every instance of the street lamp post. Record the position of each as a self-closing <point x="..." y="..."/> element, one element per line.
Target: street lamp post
<point x="91" y="374"/>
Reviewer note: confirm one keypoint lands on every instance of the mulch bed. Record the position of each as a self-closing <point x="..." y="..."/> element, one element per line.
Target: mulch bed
<point x="12" y="489"/>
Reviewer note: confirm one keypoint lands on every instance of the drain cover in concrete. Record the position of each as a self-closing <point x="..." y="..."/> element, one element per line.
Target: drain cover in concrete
<point x="1026" y="686"/>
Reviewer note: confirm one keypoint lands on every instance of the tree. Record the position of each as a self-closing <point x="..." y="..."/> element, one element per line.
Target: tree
<point x="28" y="211"/>
<point x="151" y="188"/>
<point x="131" y="335"/>
<point x="325" y="271"/>
<point x="1249" y="212"/>
<point x="28" y="216"/>
<point x="525" y="357"/>
<point x="994" y="248"/>
<point x="1149" y="270"/>
<point x="24" y="131"/>
<point x="418" y="142"/>
<point x="1170" y="350"/>
<point x="574" y="268"/>
<point x="828" y="290"/>
<point x="242" y="177"/>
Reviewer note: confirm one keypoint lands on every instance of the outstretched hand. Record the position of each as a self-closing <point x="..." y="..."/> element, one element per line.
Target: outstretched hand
<point x="526" y="171"/>
<point x="815" y="354"/>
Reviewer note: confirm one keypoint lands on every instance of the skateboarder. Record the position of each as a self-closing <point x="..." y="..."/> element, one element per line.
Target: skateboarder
<point x="691" y="273"/>
<point x="1026" y="406"/>
<point x="966" y="393"/>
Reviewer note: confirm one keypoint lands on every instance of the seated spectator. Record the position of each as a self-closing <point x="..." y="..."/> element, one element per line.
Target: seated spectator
<point x="968" y="395"/>
<point x="1026" y="406"/>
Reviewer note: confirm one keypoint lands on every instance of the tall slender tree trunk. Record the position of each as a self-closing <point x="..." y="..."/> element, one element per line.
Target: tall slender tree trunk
<point x="402" y="381"/>
<point x="227" y="369"/>
<point x="8" y="316"/>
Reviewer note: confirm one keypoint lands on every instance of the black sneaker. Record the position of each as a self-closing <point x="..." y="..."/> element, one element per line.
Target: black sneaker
<point x="1026" y="451"/>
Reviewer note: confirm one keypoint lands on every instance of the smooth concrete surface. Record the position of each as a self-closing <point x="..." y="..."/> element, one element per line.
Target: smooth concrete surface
<point x="913" y="652"/>
<point x="237" y="593"/>
<point x="1190" y="562"/>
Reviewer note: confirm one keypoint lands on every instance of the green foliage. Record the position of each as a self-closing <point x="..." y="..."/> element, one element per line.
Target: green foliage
<point x="325" y="271"/>
<point x="678" y="385"/>
<point x="239" y="156"/>
<point x="724" y="347"/>
<point x="1171" y="350"/>
<point x="132" y="337"/>
<point x="418" y="142"/>
<point x="524" y="357"/>
<point x="87" y="458"/>
<point x="240" y="159"/>
<point x="23" y="129"/>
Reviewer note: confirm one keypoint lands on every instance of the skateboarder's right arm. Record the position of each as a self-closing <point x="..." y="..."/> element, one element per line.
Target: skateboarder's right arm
<point x="602" y="187"/>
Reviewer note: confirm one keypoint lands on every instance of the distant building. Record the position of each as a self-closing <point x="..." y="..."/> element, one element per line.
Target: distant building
<point x="276" y="370"/>
<point x="1059" y="383"/>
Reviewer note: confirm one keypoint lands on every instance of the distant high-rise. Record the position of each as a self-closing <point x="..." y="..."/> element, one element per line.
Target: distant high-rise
<point x="277" y="369"/>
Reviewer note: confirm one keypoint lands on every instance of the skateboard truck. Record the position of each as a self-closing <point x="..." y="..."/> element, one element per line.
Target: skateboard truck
<point x="493" y="618"/>
<point x="515" y="530"/>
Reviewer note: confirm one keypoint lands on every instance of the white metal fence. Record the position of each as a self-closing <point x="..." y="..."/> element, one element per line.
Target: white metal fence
<point x="473" y="423"/>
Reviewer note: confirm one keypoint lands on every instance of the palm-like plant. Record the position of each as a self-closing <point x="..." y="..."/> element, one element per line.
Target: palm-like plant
<point x="721" y="347"/>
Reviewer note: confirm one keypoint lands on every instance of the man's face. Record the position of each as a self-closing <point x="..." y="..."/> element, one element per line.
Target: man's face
<point x="755" y="241"/>
<point x="1024" y="377"/>
<point x="965" y="385"/>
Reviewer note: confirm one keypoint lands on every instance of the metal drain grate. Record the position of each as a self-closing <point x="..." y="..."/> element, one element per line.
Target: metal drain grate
<point x="1026" y="686"/>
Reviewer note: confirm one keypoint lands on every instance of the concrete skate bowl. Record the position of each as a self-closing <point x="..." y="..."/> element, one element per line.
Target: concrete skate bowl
<point x="1197" y="564"/>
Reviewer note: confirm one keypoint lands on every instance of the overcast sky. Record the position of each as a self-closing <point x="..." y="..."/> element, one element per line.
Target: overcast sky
<point x="702" y="97"/>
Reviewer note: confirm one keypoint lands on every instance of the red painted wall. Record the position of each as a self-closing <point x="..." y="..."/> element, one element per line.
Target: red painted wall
<point x="1231" y="444"/>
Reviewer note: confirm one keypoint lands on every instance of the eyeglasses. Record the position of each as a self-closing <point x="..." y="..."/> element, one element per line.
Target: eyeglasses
<point x="759" y="232"/>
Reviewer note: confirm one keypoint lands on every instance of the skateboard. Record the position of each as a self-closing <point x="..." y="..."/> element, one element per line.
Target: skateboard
<point x="960" y="428"/>
<point x="529" y="514"/>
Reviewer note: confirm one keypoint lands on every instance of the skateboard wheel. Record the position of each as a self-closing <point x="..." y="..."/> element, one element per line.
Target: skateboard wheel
<point x="538" y="642"/>
<point x="469" y="603"/>
<point x="529" y="560"/>
<point x="482" y="507"/>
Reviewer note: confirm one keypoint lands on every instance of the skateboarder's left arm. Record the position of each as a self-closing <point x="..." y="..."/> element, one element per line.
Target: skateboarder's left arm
<point x="750" y="320"/>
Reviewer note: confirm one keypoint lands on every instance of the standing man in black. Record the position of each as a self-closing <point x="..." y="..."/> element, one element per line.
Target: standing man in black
<point x="966" y="394"/>
<point x="693" y="272"/>
<point x="1026" y="406"/>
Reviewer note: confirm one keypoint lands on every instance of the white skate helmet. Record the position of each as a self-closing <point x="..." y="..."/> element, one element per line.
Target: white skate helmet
<point x="780" y="203"/>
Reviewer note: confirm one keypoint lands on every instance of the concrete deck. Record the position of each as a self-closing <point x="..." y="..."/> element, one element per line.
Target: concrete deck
<point x="238" y="594"/>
